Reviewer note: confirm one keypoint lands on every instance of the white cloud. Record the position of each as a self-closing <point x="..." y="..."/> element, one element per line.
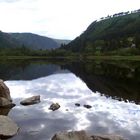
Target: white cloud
<point x="57" y="18"/>
<point x="8" y="1"/>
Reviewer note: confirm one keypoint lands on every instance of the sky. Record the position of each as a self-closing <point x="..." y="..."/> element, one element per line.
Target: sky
<point x="61" y="19"/>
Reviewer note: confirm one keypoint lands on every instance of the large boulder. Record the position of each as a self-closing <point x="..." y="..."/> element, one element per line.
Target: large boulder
<point x="4" y="111"/>
<point x="7" y="127"/>
<point x="30" y="101"/>
<point x="82" y="135"/>
<point x="5" y="99"/>
<point x="4" y="91"/>
<point x="5" y="103"/>
<point x="73" y="135"/>
<point x="106" y="137"/>
<point x="54" y="106"/>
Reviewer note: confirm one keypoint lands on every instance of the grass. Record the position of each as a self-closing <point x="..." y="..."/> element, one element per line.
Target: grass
<point x="78" y="57"/>
<point x="115" y="57"/>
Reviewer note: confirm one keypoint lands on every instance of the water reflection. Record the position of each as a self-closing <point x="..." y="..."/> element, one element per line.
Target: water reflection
<point x="107" y="115"/>
<point x="119" y="80"/>
<point x="111" y="88"/>
<point x="27" y="69"/>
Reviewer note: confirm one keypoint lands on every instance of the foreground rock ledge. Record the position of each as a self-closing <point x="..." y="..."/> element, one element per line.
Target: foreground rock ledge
<point x="81" y="135"/>
<point x="30" y="101"/>
<point x="7" y="127"/>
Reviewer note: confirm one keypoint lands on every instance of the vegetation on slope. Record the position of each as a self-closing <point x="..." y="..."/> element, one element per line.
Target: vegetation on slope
<point x="115" y="34"/>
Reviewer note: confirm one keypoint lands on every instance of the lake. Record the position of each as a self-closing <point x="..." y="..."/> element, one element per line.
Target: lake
<point x="112" y="88"/>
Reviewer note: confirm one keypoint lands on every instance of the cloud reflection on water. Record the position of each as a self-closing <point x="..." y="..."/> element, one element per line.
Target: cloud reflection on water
<point x="38" y="123"/>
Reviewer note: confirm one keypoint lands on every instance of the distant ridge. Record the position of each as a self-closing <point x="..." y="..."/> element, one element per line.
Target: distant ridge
<point x="29" y="40"/>
<point x="61" y="41"/>
<point x="7" y="41"/>
<point x="35" y="41"/>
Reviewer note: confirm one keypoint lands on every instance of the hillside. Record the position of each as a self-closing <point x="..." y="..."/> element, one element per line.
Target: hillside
<point x="108" y="34"/>
<point x="6" y="41"/>
<point x="32" y="41"/>
<point x="35" y="41"/>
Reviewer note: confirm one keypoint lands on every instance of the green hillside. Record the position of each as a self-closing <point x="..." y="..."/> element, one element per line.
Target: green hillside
<point x="118" y="32"/>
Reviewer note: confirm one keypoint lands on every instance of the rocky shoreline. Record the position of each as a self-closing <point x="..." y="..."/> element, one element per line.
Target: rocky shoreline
<point x="8" y="128"/>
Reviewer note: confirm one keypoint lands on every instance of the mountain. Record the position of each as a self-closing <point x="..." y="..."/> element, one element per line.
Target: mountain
<point x="60" y="41"/>
<point x="35" y="41"/>
<point x="7" y="41"/>
<point x="114" y="32"/>
<point x="32" y="41"/>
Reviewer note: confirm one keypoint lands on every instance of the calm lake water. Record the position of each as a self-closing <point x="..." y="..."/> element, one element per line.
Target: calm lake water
<point x="112" y="88"/>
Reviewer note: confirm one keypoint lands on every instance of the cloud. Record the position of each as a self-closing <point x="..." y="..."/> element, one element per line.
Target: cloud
<point x="13" y="1"/>
<point x="9" y="1"/>
<point x="57" y="19"/>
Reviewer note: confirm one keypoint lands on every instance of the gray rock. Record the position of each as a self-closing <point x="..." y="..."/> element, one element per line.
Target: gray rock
<point x="88" y="106"/>
<point x="7" y="127"/>
<point x="106" y="137"/>
<point x="73" y="135"/>
<point x="77" y="104"/>
<point x="4" y="111"/>
<point x="4" y="91"/>
<point x="30" y="101"/>
<point x="5" y="103"/>
<point x="82" y="135"/>
<point x="54" y="106"/>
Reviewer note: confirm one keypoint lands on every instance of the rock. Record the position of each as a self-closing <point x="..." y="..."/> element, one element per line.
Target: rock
<point x="5" y="103"/>
<point x="82" y="135"/>
<point x="88" y="106"/>
<point x="5" y="99"/>
<point x="77" y="104"/>
<point x="30" y="101"/>
<point x="106" y="137"/>
<point x="54" y="106"/>
<point x="4" y="111"/>
<point x="4" y="91"/>
<point x="7" y="127"/>
<point x="73" y="135"/>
